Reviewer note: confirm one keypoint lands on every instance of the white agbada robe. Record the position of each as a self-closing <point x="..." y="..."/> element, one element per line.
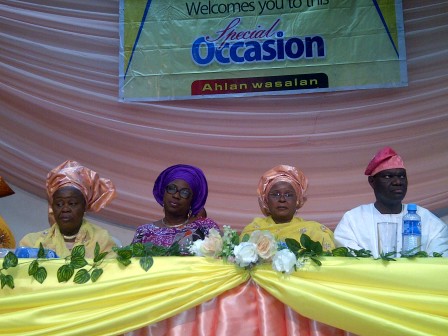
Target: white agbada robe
<point x="357" y="229"/>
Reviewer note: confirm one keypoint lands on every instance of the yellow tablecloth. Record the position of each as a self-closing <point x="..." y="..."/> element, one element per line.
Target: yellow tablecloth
<point x="363" y="296"/>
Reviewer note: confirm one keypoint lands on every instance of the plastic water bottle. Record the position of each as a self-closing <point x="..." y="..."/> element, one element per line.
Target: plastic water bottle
<point x="412" y="231"/>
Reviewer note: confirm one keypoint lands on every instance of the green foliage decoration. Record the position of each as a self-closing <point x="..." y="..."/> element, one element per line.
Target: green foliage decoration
<point x="75" y="261"/>
<point x="92" y="271"/>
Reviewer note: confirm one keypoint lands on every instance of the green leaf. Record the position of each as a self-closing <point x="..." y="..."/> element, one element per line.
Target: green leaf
<point x="316" y="247"/>
<point x="173" y="250"/>
<point x="96" y="274"/>
<point x="79" y="251"/>
<point x="7" y="280"/>
<point x="10" y="260"/>
<point x="362" y="253"/>
<point x="306" y="241"/>
<point x="146" y="262"/>
<point x="41" y="253"/>
<point x="78" y="262"/>
<point x="389" y="256"/>
<point x="293" y="245"/>
<point x="124" y="254"/>
<point x="235" y="239"/>
<point x="123" y="261"/>
<point x="421" y="254"/>
<point x="340" y="252"/>
<point x="100" y="256"/>
<point x="32" y="269"/>
<point x="65" y="272"/>
<point x="82" y="276"/>
<point x="245" y="238"/>
<point x="138" y="250"/>
<point x="97" y="250"/>
<point x="40" y="275"/>
<point x="301" y="253"/>
<point x="316" y="261"/>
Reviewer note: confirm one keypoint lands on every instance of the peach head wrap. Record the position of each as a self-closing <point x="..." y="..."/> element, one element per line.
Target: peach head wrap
<point x="98" y="192"/>
<point x="281" y="173"/>
<point x="386" y="158"/>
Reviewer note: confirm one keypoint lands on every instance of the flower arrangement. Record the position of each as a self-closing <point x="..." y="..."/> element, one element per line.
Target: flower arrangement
<point x="258" y="247"/>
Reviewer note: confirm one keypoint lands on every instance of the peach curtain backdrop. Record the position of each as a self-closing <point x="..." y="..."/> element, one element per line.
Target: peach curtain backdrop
<point x="59" y="101"/>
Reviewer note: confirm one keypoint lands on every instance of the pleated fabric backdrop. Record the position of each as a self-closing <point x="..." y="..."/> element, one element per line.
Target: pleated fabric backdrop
<point x="59" y="100"/>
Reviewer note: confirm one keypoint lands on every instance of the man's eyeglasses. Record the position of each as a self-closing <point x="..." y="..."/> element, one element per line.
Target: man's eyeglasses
<point x="172" y="189"/>
<point x="276" y="196"/>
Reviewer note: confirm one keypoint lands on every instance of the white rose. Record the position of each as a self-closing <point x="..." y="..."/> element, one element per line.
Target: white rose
<point x="195" y="248"/>
<point x="266" y="244"/>
<point x="245" y="254"/>
<point x="284" y="261"/>
<point x="212" y="245"/>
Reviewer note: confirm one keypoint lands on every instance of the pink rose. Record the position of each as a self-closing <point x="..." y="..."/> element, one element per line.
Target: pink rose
<point x="265" y="242"/>
<point x="212" y="245"/>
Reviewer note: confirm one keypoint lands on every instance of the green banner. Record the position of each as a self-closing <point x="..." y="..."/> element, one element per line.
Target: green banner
<point x="172" y="49"/>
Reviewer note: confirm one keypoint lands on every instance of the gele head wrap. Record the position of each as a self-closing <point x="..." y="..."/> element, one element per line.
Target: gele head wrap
<point x="281" y="173"/>
<point x="98" y="192"/>
<point x="190" y="174"/>
<point x="386" y="158"/>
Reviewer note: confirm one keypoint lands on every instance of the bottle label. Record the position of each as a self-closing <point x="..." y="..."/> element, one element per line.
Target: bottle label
<point x="411" y="227"/>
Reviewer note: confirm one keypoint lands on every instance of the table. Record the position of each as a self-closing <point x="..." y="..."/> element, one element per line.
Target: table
<point x="362" y="296"/>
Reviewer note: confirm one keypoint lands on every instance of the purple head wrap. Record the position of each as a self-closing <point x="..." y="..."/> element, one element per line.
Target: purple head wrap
<point x="190" y="174"/>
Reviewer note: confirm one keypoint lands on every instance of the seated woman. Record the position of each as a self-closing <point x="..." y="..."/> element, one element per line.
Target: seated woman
<point x="72" y="190"/>
<point x="182" y="192"/>
<point x="281" y="192"/>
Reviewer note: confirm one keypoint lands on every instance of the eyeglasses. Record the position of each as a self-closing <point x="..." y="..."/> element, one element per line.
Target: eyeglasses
<point x="276" y="196"/>
<point x="172" y="189"/>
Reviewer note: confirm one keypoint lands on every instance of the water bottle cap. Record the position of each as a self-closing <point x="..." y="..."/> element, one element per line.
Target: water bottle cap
<point x="412" y="207"/>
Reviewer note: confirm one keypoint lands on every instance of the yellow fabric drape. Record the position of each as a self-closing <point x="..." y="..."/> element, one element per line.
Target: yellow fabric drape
<point x="367" y="297"/>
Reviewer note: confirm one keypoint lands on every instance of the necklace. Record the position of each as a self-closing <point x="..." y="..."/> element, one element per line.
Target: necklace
<point x="70" y="237"/>
<point x="174" y="226"/>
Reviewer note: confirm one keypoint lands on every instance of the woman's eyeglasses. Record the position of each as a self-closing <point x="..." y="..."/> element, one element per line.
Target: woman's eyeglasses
<point x="276" y="196"/>
<point x="172" y="189"/>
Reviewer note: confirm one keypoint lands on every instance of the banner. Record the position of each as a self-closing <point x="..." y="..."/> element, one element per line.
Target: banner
<point x="172" y="49"/>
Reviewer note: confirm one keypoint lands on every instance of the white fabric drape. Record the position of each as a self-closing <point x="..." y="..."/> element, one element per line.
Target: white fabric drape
<point x="59" y="100"/>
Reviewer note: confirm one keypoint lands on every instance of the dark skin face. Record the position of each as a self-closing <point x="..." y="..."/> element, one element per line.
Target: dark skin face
<point x="68" y="206"/>
<point x="282" y="201"/>
<point x="390" y="187"/>
<point x="176" y="207"/>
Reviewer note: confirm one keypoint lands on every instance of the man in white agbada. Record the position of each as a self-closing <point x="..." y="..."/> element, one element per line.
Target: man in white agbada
<point x="387" y="177"/>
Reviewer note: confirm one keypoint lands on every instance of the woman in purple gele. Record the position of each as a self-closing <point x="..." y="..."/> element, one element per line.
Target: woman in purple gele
<point x="182" y="192"/>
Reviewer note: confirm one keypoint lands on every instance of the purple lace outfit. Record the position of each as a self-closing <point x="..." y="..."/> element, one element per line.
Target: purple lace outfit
<point x="164" y="236"/>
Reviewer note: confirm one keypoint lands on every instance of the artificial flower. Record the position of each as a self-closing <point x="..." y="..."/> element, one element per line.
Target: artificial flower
<point x="284" y="261"/>
<point x="212" y="244"/>
<point x="261" y="246"/>
<point x="266" y="244"/>
<point x="195" y="248"/>
<point x="245" y="254"/>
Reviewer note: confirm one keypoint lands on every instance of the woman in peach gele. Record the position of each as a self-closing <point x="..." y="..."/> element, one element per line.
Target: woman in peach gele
<point x="281" y="192"/>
